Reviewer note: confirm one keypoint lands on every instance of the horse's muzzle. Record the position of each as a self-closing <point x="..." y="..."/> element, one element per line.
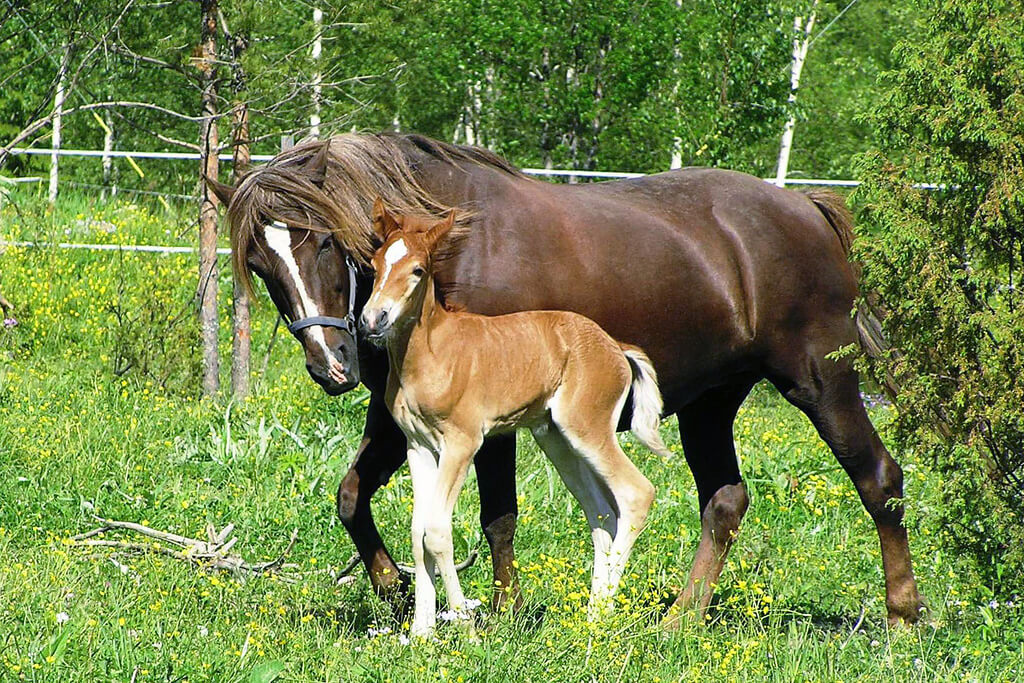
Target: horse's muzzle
<point x="334" y="381"/>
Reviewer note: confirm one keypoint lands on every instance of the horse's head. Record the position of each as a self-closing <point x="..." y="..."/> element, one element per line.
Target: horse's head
<point x="402" y="267"/>
<point x="284" y="229"/>
<point x="302" y="223"/>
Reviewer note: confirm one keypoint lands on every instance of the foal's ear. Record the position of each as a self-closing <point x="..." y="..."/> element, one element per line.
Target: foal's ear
<point x="317" y="165"/>
<point x="437" y="233"/>
<point x="383" y="222"/>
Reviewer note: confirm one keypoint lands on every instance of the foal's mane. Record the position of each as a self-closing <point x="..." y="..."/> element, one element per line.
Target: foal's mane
<point x="337" y="199"/>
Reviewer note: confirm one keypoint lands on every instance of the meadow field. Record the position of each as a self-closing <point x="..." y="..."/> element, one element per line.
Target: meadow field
<point x="100" y="417"/>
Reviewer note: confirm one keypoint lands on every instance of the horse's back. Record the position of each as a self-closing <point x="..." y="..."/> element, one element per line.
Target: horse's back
<point x="706" y="270"/>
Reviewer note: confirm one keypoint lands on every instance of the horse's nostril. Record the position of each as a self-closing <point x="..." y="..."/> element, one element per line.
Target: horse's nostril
<point x="309" y="368"/>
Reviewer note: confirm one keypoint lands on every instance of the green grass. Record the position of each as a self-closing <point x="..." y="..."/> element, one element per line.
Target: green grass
<point x="78" y="440"/>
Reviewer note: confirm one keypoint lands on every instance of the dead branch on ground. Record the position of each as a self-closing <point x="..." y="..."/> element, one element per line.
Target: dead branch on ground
<point x="213" y="554"/>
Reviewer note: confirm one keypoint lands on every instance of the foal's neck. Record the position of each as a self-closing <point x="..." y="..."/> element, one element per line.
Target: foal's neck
<point x="413" y="339"/>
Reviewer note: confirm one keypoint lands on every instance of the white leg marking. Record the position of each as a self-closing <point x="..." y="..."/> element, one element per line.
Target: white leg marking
<point x="279" y="239"/>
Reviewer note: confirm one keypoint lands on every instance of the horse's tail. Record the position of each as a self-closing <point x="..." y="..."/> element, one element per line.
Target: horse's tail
<point x="834" y="208"/>
<point x="647" y="403"/>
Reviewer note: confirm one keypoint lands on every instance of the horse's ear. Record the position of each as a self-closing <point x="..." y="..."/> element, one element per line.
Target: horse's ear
<point x="437" y="233"/>
<point x="317" y="165"/>
<point x="224" y="192"/>
<point x="383" y="222"/>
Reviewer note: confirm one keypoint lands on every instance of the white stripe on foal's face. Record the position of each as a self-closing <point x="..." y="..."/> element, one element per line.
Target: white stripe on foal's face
<point x="395" y="253"/>
<point x="279" y="239"/>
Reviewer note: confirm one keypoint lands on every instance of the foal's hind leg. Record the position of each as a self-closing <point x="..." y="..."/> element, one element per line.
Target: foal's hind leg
<point x="591" y="493"/>
<point x="633" y="495"/>
<point x="828" y="392"/>
<point x="705" y="429"/>
<point x="590" y="436"/>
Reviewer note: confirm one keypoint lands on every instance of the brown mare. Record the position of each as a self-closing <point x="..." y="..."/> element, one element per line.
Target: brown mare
<point x="457" y="378"/>
<point x="720" y="277"/>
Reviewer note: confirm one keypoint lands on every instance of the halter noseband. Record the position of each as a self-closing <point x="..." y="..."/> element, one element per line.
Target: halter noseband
<point x="348" y="323"/>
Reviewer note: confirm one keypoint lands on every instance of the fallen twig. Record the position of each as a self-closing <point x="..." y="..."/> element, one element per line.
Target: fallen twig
<point x="465" y="564"/>
<point x="211" y="554"/>
<point x="353" y="562"/>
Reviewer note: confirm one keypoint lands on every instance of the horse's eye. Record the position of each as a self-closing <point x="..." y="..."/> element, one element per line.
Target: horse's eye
<point x="417" y="271"/>
<point x="326" y="245"/>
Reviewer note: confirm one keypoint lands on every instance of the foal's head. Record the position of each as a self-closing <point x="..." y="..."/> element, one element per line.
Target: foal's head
<point x="402" y="267"/>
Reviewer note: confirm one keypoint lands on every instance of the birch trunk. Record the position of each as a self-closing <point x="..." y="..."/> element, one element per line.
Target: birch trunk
<point x="108" y="147"/>
<point x="208" y="168"/>
<point x="800" y="45"/>
<point x="677" y="58"/>
<point x="241" y="330"/>
<point x="58" y="110"/>
<point x="314" y="117"/>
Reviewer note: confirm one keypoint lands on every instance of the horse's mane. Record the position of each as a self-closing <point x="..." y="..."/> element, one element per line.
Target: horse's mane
<point x="293" y="188"/>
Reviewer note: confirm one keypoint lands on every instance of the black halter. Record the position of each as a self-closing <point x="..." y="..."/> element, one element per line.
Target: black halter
<point x="348" y="323"/>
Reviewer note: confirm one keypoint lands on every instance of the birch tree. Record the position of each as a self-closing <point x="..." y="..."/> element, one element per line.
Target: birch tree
<point x="206" y="62"/>
<point x="801" y="41"/>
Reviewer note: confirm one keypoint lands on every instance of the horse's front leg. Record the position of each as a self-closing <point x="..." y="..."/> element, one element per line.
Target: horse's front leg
<point x="381" y="452"/>
<point x="495" y="464"/>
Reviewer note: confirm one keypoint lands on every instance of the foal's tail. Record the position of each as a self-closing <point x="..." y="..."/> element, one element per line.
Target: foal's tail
<point x="647" y="403"/>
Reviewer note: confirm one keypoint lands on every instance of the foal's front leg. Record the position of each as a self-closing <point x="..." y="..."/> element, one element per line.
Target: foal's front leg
<point x="423" y="469"/>
<point x="453" y="465"/>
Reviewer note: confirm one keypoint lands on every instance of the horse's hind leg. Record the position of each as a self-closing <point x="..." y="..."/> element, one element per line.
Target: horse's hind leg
<point x="495" y="464"/>
<point x="705" y="429"/>
<point x="828" y="392"/>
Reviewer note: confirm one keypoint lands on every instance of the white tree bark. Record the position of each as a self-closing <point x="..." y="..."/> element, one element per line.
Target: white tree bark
<point x="58" y="110"/>
<point x="314" y="117"/>
<point x="677" y="141"/>
<point x="108" y="146"/>
<point x="800" y="45"/>
<point x="208" y="167"/>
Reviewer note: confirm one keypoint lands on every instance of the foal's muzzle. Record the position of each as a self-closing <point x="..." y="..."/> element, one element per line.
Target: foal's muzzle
<point x="375" y="325"/>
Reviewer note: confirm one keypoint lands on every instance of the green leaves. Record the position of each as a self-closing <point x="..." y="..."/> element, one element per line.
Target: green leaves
<point x="266" y="672"/>
<point x="947" y="264"/>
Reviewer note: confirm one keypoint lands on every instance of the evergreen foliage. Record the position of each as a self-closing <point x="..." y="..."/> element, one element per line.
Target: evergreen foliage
<point x="947" y="266"/>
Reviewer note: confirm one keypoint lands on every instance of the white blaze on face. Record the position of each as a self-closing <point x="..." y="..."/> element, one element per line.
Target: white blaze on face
<point x="395" y="253"/>
<point x="279" y="239"/>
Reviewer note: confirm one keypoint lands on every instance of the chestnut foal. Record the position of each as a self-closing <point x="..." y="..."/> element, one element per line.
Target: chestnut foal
<point x="458" y="377"/>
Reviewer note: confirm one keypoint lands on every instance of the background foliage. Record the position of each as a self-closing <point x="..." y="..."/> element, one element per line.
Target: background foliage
<point x="97" y="381"/>
<point x="586" y="84"/>
<point x="947" y="266"/>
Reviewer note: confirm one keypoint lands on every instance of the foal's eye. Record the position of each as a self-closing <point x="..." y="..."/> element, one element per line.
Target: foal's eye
<point x="417" y="271"/>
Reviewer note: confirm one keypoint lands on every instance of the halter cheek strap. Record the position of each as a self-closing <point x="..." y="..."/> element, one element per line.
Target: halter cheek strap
<point x="347" y="323"/>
